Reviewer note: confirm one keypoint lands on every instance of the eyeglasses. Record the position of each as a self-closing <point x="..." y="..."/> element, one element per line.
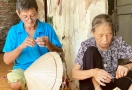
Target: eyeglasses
<point x="26" y="18"/>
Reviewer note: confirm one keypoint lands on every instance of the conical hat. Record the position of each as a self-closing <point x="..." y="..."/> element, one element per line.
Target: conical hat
<point x="45" y="73"/>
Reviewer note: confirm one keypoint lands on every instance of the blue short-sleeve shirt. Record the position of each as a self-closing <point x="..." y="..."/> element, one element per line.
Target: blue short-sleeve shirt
<point x="17" y="35"/>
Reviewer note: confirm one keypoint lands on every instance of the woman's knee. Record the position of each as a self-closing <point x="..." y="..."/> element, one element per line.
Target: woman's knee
<point x="92" y="48"/>
<point x="92" y="51"/>
<point x="15" y="86"/>
<point x="129" y="74"/>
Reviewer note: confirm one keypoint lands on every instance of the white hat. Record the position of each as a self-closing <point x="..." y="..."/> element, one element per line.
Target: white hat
<point x="45" y="73"/>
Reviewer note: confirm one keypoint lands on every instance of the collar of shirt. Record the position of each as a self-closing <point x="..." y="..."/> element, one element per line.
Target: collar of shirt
<point x="23" y="30"/>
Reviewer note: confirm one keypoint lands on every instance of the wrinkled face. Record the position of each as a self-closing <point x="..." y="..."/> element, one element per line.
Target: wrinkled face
<point x="103" y="36"/>
<point x="29" y="17"/>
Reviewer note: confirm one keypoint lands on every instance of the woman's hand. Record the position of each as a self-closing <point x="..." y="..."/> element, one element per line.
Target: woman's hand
<point x="43" y="41"/>
<point x="121" y="71"/>
<point x="102" y="76"/>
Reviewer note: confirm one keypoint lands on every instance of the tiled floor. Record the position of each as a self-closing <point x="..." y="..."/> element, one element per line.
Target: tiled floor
<point x="4" y="69"/>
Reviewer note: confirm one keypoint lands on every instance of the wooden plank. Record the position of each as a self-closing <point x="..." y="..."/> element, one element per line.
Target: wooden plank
<point x="125" y="28"/>
<point x="124" y="9"/>
<point x="123" y="2"/>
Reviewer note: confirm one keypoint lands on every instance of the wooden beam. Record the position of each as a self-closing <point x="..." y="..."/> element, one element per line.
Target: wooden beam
<point x="45" y="9"/>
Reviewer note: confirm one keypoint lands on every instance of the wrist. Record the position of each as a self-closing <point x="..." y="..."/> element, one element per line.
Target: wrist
<point x="49" y="45"/>
<point x="127" y="66"/>
<point x="92" y="72"/>
<point x="21" y="47"/>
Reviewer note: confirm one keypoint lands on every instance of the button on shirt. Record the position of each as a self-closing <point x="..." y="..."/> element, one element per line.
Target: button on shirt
<point x="17" y="35"/>
<point x="118" y="49"/>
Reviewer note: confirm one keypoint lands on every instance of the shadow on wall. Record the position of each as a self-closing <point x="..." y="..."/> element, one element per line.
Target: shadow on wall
<point x="50" y="20"/>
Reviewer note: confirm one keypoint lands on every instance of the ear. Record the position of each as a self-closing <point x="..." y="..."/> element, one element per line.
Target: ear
<point x="18" y="13"/>
<point x="92" y="32"/>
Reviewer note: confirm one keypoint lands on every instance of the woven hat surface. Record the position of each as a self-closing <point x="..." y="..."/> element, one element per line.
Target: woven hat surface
<point x="45" y="73"/>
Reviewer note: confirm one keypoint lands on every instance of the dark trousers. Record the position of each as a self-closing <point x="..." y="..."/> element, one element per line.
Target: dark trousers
<point x="93" y="59"/>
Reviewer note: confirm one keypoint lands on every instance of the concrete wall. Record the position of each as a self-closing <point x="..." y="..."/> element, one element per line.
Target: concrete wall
<point x="40" y="9"/>
<point x="72" y="23"/>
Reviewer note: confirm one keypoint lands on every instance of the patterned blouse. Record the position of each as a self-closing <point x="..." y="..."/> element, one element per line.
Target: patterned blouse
<point x="118" y="49"/>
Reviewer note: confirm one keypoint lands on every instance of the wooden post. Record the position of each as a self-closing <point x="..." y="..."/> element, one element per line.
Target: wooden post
<point x="45" y="9"/>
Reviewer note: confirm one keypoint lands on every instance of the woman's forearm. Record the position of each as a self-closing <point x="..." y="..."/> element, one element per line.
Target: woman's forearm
<point x="82" y="74"/>
<point x="129" y="66"/>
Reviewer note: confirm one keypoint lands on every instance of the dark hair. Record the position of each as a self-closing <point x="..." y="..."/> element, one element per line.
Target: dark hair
<point x="100" y="19"/>
<point x="26" y="5"/>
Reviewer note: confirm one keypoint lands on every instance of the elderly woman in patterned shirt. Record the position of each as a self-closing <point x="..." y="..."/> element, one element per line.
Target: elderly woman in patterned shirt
<point x="96" y="65"/>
